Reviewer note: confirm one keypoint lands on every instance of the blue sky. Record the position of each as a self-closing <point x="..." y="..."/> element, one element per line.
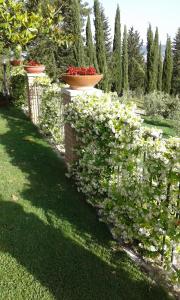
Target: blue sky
<point x="139" y="13"/>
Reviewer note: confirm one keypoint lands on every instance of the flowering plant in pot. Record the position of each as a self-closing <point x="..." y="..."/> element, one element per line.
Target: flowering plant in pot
<point x="16" y="58"/>
<point x="81" y="78"/>
<point x="34" y="66"/>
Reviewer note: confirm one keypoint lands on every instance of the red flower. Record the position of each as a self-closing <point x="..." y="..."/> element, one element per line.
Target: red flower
<point x="33" y="63"/>
<point x="91" y="71"/>
<point x="81" y="70"/>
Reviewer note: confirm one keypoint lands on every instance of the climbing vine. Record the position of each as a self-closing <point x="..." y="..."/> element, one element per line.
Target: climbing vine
<point x="130" y="172"/>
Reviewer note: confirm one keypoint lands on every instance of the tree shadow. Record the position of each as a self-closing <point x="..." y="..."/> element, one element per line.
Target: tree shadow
<point x="48" y="188"/>
<point x="67" y="267"/>
<point x="68" y="270"/>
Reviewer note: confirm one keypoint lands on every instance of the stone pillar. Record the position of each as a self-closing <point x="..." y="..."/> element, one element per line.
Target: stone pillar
<point x="69" y="132"/>
<point x="34" y="96"/>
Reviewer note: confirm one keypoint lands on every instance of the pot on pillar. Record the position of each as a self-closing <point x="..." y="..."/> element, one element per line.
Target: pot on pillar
<point x="81" y="78"/>
<point x="15" y="62"/>
<point x="34" y="67"/>
<point x="82" y="82"/>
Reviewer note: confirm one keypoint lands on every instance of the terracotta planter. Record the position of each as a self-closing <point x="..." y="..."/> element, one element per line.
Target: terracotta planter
<point x="34" y="69"/>
<point x="81" y="82"/>
<point x="16" y="62"/>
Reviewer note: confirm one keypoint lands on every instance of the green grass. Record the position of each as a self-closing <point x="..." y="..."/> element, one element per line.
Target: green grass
<point x="52" y="245"/>
<point x="167" y="126"/>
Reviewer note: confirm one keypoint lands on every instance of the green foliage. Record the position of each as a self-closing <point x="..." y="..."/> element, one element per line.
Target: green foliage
<point x="150" y="86"/>
<point x="91" y="59"/>
<point x="74" y="13"/>
<point x="100" y="44"/>
<point x="1" y="66"/>
<point x="160" y="70"/>
<point x="17" y="53"/>
<point x="161" y="104"/>
<point x="116" y="56"/>
<point x="45" y="51"/>
<point x="176" y="64"/>
<point x="155" y="58"/>
<point x="167" y="68"/>
<point x="51" y="110"/>
<point x="57" y="57"/>
<point x="78" y="46"/>
<point x="129" y="171"/>
<point x="125" y="82"/>
<point x="18" y="85"/>
<point x="136" y="67"/>
<point x="107" y="36"/>
<point x="18" y="26"/>
<point x="153" y="67"/>
<point x="52" y="244"/>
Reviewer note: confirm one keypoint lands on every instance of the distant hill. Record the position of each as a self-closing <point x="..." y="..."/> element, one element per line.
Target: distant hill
<point x="144" y="50"/>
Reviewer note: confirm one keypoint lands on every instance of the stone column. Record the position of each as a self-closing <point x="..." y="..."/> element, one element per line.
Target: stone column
<point x="34" y="96"/>
<point x="69" y="132"/>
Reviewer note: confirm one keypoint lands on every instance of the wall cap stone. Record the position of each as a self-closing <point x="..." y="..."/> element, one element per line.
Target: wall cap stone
<point x="75" y="93"/>
<point x="36" y="74"/>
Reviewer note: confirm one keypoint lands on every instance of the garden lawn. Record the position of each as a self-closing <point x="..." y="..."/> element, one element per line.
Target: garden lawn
<point x="166" y="125"/>
<point x="52" y="245"/>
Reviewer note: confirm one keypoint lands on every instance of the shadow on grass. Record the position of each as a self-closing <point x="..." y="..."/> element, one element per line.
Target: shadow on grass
<point x="69" y="269"/>
<point x="158" y="121"/>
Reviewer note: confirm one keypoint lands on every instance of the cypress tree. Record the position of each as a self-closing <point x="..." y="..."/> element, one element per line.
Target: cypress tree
<point x="57" y="58"/>
<point x="78" y="47"/>
<point x="176" y="64"/>
<point x="150" y="62"/>
<point x="160" y="69"/>
<point x="116" y="58"/>
<point x="125" y="83"/>
<point x="136" y="67"/>
<point x="90" y="49"/>
<point x="107" y="35"/>
<point x="66" y="55"/>
<point x="167" y="68"/>
<point x="100" y="44"/>
<point x="155" y="59"/>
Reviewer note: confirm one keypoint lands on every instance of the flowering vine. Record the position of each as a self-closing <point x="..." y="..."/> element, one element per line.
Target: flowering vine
<point x="130" y="172"/>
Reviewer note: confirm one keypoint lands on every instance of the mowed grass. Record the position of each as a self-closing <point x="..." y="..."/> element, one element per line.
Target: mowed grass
<point x="167" y="126"/>
<point x="52" y="245"/>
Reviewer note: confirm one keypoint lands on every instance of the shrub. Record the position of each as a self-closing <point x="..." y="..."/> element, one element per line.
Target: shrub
<point x="160" y="104"/>
<point x="18" y="85"/>
<point x="129" y="171"/>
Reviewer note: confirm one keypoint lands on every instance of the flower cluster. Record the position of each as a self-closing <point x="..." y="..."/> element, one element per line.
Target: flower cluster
<point x="33" y="63"/>
<point x="130" y="172"/>
<point x="81" y="70"/>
